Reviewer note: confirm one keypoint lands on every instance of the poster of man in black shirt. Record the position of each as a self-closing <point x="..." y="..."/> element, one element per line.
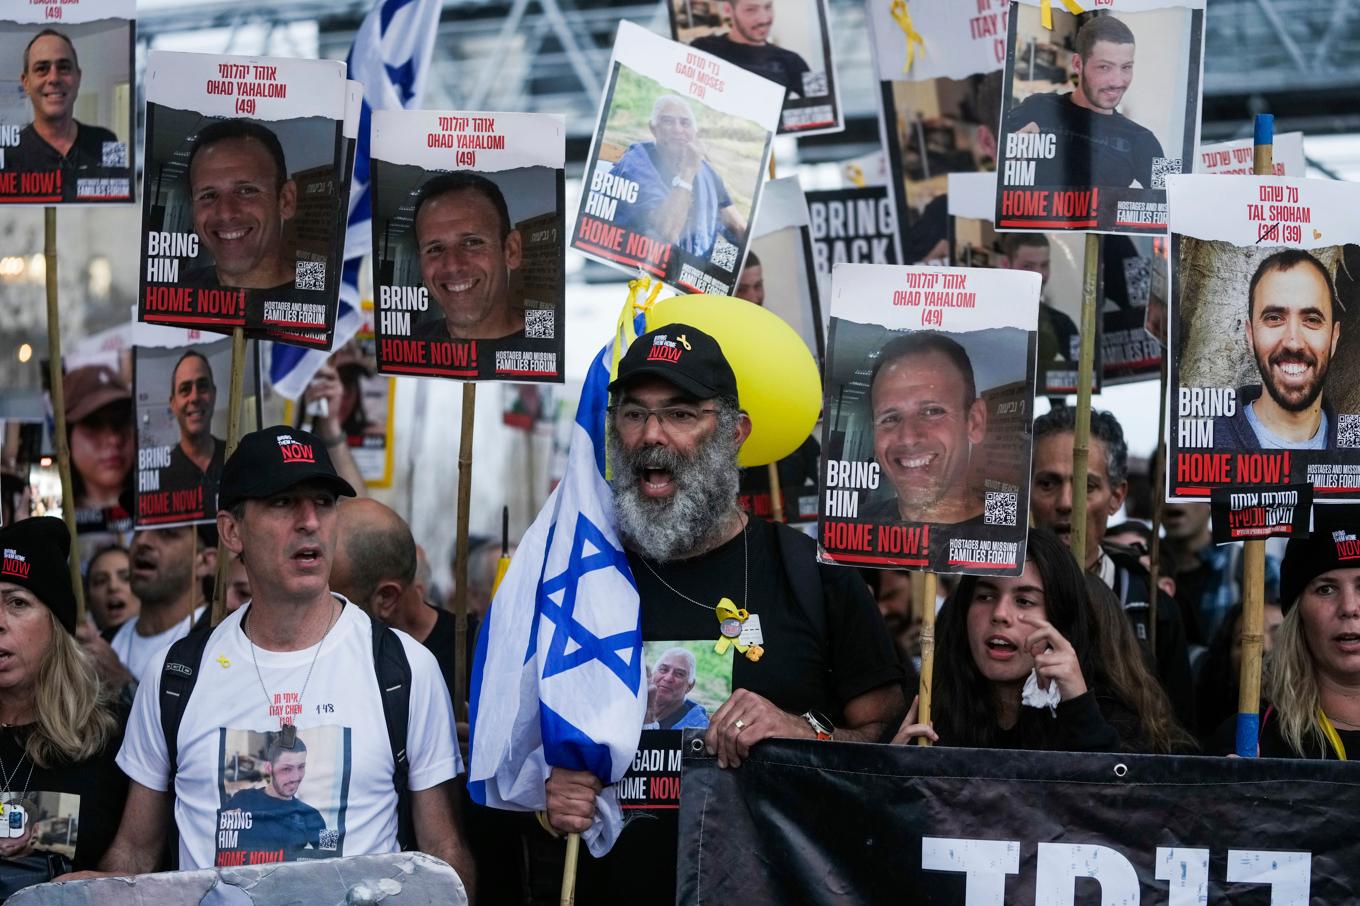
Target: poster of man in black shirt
<point x="1097" y="110"/>
<point x="774" y="39"/>
<point x="270" y="823"/>
<point x="48" y="153"/>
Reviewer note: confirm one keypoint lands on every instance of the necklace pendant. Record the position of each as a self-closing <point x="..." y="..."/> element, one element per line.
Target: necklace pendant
<point x="287" y="735"/>
<point x="730" y="621"/>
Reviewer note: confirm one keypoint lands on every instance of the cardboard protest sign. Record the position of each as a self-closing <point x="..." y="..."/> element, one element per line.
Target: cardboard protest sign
<point x="930" y="395"/>
<point x="244" y="195"/>
<point x="797" y="475"/>
<point x="1236" y="158"/>
<point x="100" y="435"/>
<point x="1128" y="352"/>
<point x="779" y="272"/>
<point x="1058" y="259"/>
<point x="67" y="126"/>
<point x="676" y="164"/>
<point x="939" y="72"/>
<point x="1245" y="514"/>
<point x="467" y="240"/>
<point x="180" y="390"/>
<point x="1265" y="286"/>
<point x="850" y="225"/>
<point x="1097" y="111"/>
<point x="788" y="43"/>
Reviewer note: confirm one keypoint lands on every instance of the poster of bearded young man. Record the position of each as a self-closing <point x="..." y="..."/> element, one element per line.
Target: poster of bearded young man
<point x="48" y="156"/>
<point x="468" y="220"/>
<point x="244" y="195"/>
<point x="1097" y="111"/>
<point x="930" y="396"/>
<point x="1264" y="386"/>
<point x="677" y="163"/>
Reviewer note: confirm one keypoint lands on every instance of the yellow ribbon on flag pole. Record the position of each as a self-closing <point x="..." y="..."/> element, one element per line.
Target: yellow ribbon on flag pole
<point x="902" y="16"/>
<point x="1046" y="11"/>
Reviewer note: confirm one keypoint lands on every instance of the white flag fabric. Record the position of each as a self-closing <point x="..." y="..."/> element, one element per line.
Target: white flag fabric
<point x="557" y="678"/>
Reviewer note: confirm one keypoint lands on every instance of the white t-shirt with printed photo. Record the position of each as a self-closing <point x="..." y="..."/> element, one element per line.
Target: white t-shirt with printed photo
<point x="142" y="652"/>
<point x="331" y="794"/>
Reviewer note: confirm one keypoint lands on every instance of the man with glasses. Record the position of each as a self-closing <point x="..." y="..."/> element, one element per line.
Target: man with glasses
<point x="813" y="659"/>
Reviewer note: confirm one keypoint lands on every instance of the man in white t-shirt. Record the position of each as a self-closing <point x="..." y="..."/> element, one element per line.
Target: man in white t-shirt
<point x="295" y="662"/>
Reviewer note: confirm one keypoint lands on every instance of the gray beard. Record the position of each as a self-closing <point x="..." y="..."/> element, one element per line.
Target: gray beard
<point x="664" y="529"/>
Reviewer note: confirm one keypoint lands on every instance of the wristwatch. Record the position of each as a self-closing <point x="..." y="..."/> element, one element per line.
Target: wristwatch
<point x="678" y="183"/>
<point x="824" y="728"/>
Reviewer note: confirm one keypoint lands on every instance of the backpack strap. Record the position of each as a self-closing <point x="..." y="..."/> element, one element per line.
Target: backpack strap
<point x="178" y="677"/>
<point x="393" y="671"/>
<point x="807" y="578"/>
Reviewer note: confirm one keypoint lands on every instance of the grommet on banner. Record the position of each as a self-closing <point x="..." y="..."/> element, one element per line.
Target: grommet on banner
<point x="1120" y="770"/>
<point x="696" y="745"/>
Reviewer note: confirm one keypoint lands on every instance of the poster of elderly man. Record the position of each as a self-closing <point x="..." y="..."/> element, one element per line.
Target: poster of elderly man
<point x="676" y="164"/>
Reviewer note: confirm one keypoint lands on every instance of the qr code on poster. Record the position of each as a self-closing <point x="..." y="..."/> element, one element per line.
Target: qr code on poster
<point x="113" y="154"/>
<point x="724" y="255"/>
<point x="538" y="325"/>
<point x="1162" y="167"/>
<point x="330" y="840"/>
<point x="999" y="508"/>
<point x="310" y="275"/>
<point x="1348" y="431"/>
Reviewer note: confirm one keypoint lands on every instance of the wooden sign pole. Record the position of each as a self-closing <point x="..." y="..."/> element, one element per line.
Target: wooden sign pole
<point x="460" y="562"/>
<point x="927" y="651"/>
<point x="1081" y="439"/>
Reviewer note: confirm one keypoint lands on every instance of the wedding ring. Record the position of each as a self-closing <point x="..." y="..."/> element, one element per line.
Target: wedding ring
<point x="739" y="724"/>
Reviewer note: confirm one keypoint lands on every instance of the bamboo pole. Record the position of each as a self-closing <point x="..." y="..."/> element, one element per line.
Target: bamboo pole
<point x="1254" y="552"/>
<point x="460" y="562"/>
<point x="776" y="494"/>
<point x="927" y="651"/>
<point x="568" y="897"/>
<point x="1081" y="435"/>
<point x="58" y="395"/>
<point x="235" y="392"/>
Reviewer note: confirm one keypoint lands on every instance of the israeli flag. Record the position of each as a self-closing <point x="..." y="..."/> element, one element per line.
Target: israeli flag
<point x="391" y="57"/>
<point x="557" y="679"/>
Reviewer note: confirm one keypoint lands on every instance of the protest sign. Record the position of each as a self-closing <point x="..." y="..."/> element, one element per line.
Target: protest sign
<point x="676" y="164"/>
<point x="467" y="238"/>
<point x="779" y="272"/>
<point x="100" y="436"/>
<point x="1058" y="259"/>
<point x="797" y="477"/>
<point x="1128" y="351"/>
<point x="1263" y="387"/>
<point x="850" y="225"/>
<point x="939" y="72"/>
<point x="930" y="395"/>
<point x="1235" y="158"/>
<point x="1246" y="514"/>
<point x="66" y="133"/>
<point x="243" y="195"/>
<point x="954" y="826"/>
<point x="788" y="43"/>
<point x="179" y="388"/>
<point x="1097" y="111"/>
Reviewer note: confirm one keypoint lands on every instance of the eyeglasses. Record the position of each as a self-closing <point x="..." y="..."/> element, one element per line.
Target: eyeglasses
<point x="676" y="419"/>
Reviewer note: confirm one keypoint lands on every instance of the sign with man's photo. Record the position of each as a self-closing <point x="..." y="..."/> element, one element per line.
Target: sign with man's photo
<point x="67" y="122"/>
<point x="467" y="244"/>
<point x="677" y="162"/>
<point x="244" y="195"/>
<point x="926" y="440"/>
<point x="1263" y="389"/>
<point x="1098" y="109"/>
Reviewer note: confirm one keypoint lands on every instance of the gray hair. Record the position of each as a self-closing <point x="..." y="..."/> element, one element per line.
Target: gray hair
<point x="1104" y="428"/>
<point x="665" y="100"/>
<point x="684" y="653"/>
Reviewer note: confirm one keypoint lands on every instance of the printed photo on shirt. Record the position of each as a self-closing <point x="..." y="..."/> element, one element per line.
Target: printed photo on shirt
<point x="51" y="820"/>
<point x="1058" y="259"/>
<point x="940" y="101"/>
<point x="785" y="41"/>
<point x="1097" y="111"/>
<point x="676" y="164"/>
<point x="67" y="122"/>
<point x="1264" y="384"/>
<point x="926" y="442"/>
<point x="244" y="195"/>
<point x="282" y="803"/>
<point x="182" y="411"/>
<point x="687" y="682"/>
<point x="468" y="220"/>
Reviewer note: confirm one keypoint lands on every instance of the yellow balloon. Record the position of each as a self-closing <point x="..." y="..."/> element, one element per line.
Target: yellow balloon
<point x="777" y="378"/>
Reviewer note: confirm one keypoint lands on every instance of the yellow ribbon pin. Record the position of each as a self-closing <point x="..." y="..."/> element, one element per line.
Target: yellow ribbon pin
<point x="222" y="659"/>
<point x="898" y="10"/>
<point x="1046" y="11"/>
<point x="855" y="173"/>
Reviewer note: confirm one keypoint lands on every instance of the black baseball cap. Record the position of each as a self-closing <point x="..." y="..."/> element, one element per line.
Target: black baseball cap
<point x="1334" y="544"/>
<point x="272" y="460"/>
<point x="33" y="554"/>
<point x="683" y="355"/>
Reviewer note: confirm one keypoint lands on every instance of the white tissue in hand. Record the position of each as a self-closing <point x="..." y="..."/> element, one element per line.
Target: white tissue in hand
<point x="1038" y="697"/>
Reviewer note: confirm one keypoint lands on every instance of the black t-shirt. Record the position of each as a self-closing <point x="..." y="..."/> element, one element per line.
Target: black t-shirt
<point x="183" y="473"/>
<point x="442" y="642"/>
<point x="1273" y="745"/>
<point x="774" y="63"/>
<point x="287" y="826"/>
<point x="85" y="158"/>
<point x="801" y="669"/>
<point x="1093" y="149"/>
<point x="72" y="809"/>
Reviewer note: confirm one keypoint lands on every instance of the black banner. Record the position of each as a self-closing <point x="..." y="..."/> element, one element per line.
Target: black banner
<point x="1247" y="512"/>
<point x="817" y="822"/>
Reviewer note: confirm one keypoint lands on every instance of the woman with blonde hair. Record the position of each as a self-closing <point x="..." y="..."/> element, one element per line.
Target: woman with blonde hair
<point x="61" y="792"/>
